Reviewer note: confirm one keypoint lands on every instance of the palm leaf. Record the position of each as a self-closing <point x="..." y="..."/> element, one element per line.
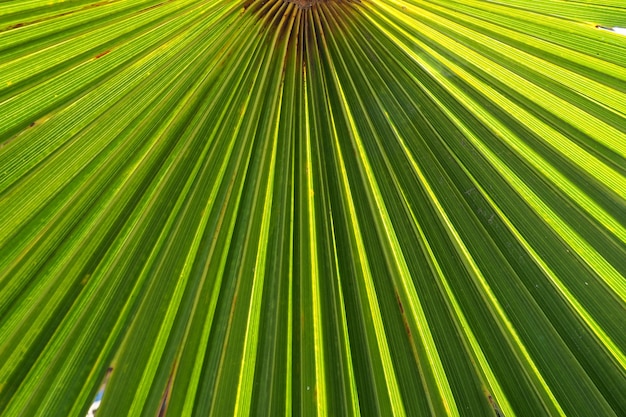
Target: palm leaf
<point x="389" y="207"/>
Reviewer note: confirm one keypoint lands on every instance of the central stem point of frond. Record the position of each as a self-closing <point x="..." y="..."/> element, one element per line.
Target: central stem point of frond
<point x="304" y="4"/>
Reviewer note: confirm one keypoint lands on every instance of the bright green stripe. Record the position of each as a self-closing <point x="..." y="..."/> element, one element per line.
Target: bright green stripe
<point x="247" y="370"/>
<point x="463" y="325"/>
<point x="352" y="406"/>
<point x="244" y="387"/>
<point x="488" y="294"/>
<point x="586" y="251"/>
<point x="29" y="189"/>
<point x="199" y="356"/>
<point x="603" y="133"/>
<point x="155" y="357"/>
<point x="441" y="178"/>
<point x="311" y="279"/>
<point x="17" y="70"/>
<point x="41" y="35"/>
<point x="392" y="383"/>
<point x="87" y="309"/>
<point x="566" y="76"/>
<point x="355" y="409"/>
<point x="566" y="294"/>
<point x="293" y="106"/>
<point x="14" y="14"/>
<point x="570" y="9"/>
<point x="35" y="182"/>
<point x="403" y="274"/>
<point x="583" y="38"/>
<point x="517" y="342"/>
<point x="33" y="105"/>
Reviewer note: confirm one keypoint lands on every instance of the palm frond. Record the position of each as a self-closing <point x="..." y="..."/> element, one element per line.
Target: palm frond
<point x="376" y="207"/>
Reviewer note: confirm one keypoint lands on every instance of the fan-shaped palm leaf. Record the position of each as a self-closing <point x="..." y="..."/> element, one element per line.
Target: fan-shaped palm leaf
<point x="385" y="207"/>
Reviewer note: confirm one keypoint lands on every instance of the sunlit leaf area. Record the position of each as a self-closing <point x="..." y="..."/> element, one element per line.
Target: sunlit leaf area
<point x="312" y="208"/>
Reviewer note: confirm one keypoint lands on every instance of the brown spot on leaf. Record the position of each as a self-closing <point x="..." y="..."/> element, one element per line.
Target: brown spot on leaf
<point x="166" y="394"/>
<point x="399" y="302"/>
<point x="153" y="7"/>
<point x="494" y="404"/>
<point x="100" y="55"/>
<point x="406" y="326"/>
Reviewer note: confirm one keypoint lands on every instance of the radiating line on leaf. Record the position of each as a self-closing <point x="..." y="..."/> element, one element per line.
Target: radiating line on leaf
<point x="563" y="145"/>
<point x="33" y="181"/>
<point x="67" y="86"/>
<point x="586" y="86"/>
<point x="392" y="383"/>
<point x="178" y="173"/>
<point x="294" y="62"/>
<point x="401" y="270"/>
<point x="395" y="113"/>
<point x="82" y="247"/>
<point x="344" y="399"/>
<point x="474" y="268"/>
<point x="246" y="119"/>
<point x="250" y="353"/>
<point x="495" y="304"/>
<point x="21" y="155"/>
<point x="573" y="36"/>
<point x="354" y="395"/>
<point x="75" y="262"/>
<point x="374" y="101"/>
<point x="463" y="326"/>
<point x="572" y="238"/>
<point x="575" y="304"/>
<point x="374" y="309"/>
<point x="319" y="395"/>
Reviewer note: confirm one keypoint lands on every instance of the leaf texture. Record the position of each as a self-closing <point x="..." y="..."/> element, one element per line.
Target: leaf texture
<point x="336" y="208"/>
